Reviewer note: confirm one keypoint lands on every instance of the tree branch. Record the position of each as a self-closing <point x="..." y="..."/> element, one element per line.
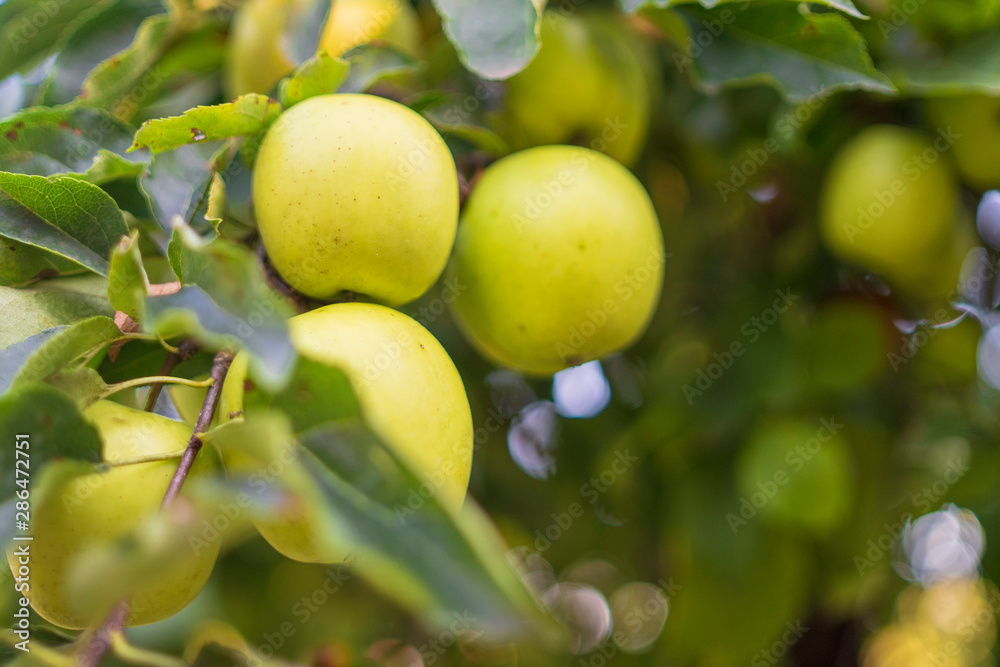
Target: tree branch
<point x="220" y="366"/>
<point x="184" y="352"/>
<point x="99" y="644"/>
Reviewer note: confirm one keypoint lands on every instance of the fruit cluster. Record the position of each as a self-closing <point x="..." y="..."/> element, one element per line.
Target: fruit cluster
<point x="559" y="255"/>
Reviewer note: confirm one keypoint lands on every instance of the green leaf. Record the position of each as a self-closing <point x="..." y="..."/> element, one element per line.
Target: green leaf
<point x="109" y="167"/>
<point x="300" y="37"/>
<point x="45" y="353"/>
<point x="441" y="113"/>
<point x="171" y="65"/>
<point x="110" y="84"/>
<point x="54" y="426"/>
<point x="185" y="259"/>
<point x="30" y="29"/>
<point x="84" y="385"/>
<point x="67" y="140"/>
<point x="21" y="263"/>
<point x="61" y="215"/>
<point x="250" y="114"/>
<point x="102" y="30"/>
<point x="971" y="67"/>
<point x="177" y="183"/>
<point x="432" y="562"/>
<point x="372" y="64"/>
<point x="128" y="284"/>
<point x="630" y="6"/>
<point x="320" y="75"/>
<point x="30" y="310"/>
<point x="315" y="395"/>
<point x="229" y="304"/>
<point x="799" y="53"/>
<point x="494" y="38"/>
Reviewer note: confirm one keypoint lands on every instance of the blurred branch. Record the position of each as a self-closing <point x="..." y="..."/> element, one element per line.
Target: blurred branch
<point x="99" y="644"/>
<point x="184" y="352"/>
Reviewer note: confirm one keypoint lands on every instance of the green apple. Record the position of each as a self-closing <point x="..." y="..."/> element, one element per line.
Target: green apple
<point x="558" y="259"/>
<point x="356" y="193"/>
<point x="355" y="22"/>
<point x="974" y="121"/>
<point x="98" y="508"/>
<point x="586" y="85"/>
<point x="888" y="202"/>
<point x="410" y="394"/>
<point x="257" y="58"/>
<point x="796" y="472"/>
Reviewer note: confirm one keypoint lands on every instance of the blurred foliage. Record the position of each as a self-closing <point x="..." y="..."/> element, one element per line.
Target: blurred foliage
<point x="796" y="464"/>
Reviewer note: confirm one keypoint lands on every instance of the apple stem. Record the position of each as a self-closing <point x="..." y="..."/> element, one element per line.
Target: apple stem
<point x="220" y="366"/>
<point x="184" y="352"/>
<point x="298" y="300"/>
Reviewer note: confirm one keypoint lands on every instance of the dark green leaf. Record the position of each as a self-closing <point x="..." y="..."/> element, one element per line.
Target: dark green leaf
<point x="177" y="183"/>
<point x="801" y="54"/>
<point x="231" y="303"/>
<point x="30" y="29"/>
<point x="110" y="84"/>
<point x="320" y="75"/>
<point x="88" y="143"/>
<point x="372" y="64"/>
<point x="62" y="215"/>
<point x="21" y="263"/>
<point x="432" y="562"/>
<point x="972" y="67"/>
<point x="316" y="394"/>
<point x="185" y="259"/>
<point x="250" y="114"/>
<point x="630" y="6"/>
<point x="104" y="29"/>
<point x="494" y="38"/>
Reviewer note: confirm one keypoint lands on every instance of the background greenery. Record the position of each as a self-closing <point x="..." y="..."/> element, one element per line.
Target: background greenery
<point x="641" y="528"/>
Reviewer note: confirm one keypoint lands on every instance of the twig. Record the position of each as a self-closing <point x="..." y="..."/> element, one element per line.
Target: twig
<point x="100" y="643"/>
<point x="183" y="353"/>
<point x="220" y="366"/>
